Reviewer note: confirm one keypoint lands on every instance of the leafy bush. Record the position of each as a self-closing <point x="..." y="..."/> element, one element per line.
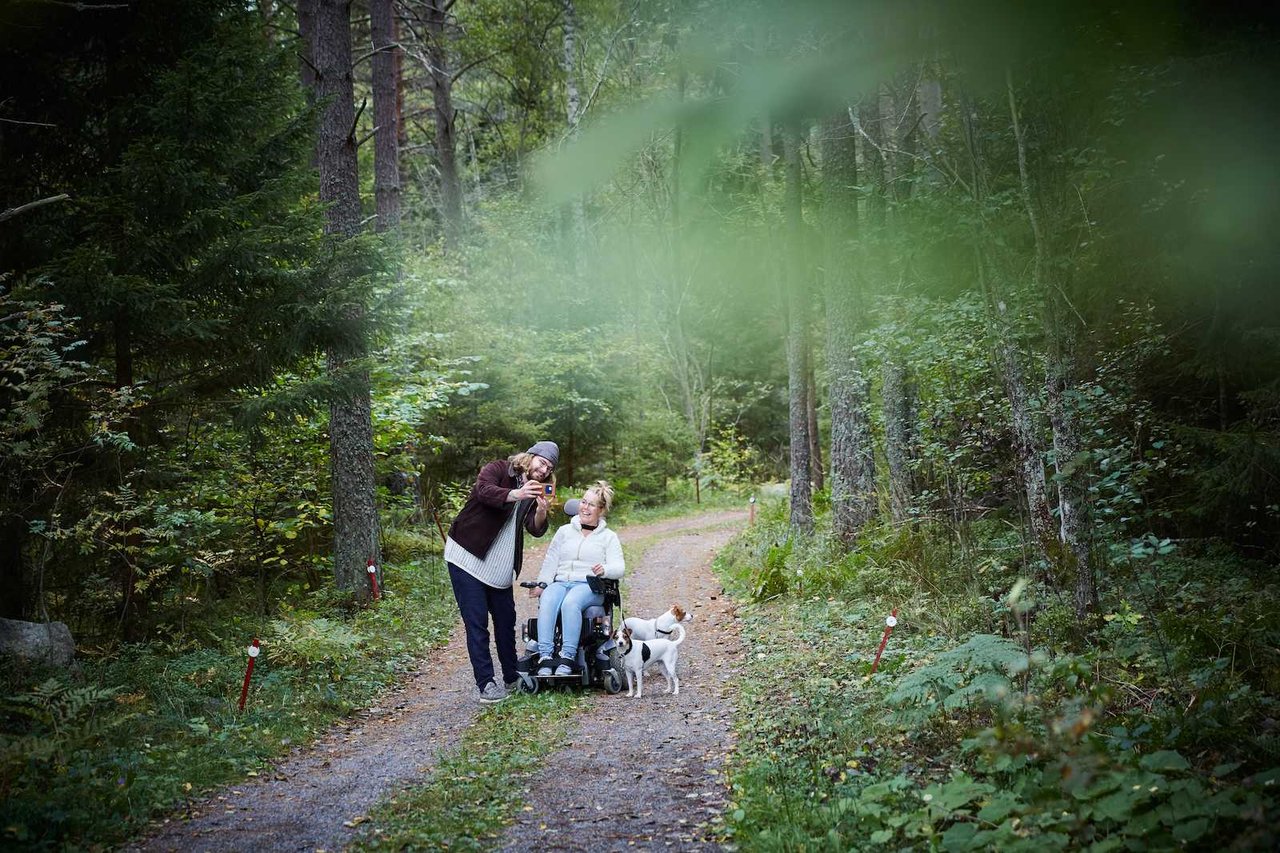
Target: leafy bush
<point x="1147" y="737"/>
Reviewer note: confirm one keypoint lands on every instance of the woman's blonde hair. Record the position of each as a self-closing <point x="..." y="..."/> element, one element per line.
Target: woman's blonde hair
<point x="605" y="492"/>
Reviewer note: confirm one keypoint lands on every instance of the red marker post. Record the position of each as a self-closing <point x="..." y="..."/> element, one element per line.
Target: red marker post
<point x="373" y="580"/>
<point x="888" y="629"/>
<point x="253" y="655"/>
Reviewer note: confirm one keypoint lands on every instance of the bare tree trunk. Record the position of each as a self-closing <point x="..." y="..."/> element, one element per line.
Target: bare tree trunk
<point x="1027" y="453"/>
<point x="436" y="23"/>
<point x="1059" y="384"/>
<point x="386" y="117"/>
<point x="355" y="517"/>
<point x="815" y="440"/>
<point x="797" y="338"/>
<point x="873" y="161"/>
<point x="852" y="452"/>
<point x="899" y="418"/>
<point x="1026" y="443"/>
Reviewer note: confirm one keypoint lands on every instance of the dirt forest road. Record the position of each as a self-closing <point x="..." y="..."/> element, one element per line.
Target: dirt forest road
<point x="655" y="761"/>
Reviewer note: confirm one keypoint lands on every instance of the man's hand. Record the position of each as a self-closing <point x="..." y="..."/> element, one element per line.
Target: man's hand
<point x="530" y="489"/>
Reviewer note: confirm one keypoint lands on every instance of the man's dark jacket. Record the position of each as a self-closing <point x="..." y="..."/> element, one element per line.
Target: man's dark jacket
<point x="486" y="510"/>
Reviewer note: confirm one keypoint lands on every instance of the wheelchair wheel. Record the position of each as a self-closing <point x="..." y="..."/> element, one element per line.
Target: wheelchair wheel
<point x="613" y="677"/>
<point x="529" y="686"/>
<point x="612" y="682"/>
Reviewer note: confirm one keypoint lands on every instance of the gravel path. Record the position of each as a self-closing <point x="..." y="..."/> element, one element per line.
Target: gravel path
<point x="646" y="773"/>
<point x="314" y="797"/>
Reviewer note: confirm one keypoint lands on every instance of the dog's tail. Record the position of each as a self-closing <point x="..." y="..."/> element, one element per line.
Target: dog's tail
<point x="680" y="639"/>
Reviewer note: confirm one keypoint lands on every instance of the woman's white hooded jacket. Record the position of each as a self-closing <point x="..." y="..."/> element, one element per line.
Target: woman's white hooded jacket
<point x="571" y="555"/>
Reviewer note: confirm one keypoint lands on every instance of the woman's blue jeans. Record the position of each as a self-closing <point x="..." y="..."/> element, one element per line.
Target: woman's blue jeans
<point x="569" y="599"/>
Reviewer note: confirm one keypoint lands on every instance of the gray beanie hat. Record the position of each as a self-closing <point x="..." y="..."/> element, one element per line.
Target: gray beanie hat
<point x="547" y="450"/>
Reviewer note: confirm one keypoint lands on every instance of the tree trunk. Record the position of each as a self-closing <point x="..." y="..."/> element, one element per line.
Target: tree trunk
<point x="355" y="519"/>
<point x="1027" y="454"/>
<point x="852" y="452"/>
<point x="436" y="20"/>
<point x="899" y="418"/>
<point x="797" y="338"/>
<point x="1026" y="444"/>
<point x="1059" y="384"/>
<point x="386" y="119"/>
<point x="811" y="417"/>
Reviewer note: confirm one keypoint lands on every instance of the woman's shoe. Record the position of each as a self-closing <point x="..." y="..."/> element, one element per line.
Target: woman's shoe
<point x="565" y="666"/>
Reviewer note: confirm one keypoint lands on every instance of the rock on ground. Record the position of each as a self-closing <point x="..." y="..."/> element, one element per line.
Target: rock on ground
<point x="40" y="643"/>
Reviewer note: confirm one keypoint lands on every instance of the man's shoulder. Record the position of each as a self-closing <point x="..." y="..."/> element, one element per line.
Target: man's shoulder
<point x="496" y="468"/>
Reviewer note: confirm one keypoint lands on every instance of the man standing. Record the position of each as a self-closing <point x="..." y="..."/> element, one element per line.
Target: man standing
<point x="483" y="552"/>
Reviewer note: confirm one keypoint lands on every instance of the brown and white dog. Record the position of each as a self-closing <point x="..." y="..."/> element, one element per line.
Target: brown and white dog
<point x="638" y="655"/>
<point x="659" y="628"/>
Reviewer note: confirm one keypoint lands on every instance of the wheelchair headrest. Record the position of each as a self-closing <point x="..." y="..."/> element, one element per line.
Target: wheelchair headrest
<point x="571" y="506"/>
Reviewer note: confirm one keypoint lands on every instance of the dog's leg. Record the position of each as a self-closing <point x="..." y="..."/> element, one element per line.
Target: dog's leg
<point x="631" y="683"/>
<point x="640" y="682"/>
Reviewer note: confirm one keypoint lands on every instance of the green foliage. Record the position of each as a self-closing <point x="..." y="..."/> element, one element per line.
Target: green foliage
<point x="974" y="672"/>
<point x="304" y="643"/>
<point x="962" y="740"/>
<point x="91" y="762"/>
<point x="730" y="461"/>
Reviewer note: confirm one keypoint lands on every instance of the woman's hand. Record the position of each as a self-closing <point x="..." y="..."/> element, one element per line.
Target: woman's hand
<point x="597" y="570"/>
<point x="535" y="592"/>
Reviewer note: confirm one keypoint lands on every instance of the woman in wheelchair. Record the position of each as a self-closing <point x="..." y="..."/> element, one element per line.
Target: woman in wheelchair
<point x="584" y="548"/>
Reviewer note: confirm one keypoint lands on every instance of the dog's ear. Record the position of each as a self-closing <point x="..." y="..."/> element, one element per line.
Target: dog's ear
<point x="678" y="612"/>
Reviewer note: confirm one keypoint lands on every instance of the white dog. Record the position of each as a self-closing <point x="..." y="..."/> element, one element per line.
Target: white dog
<point x="659" y="628"/>
<point x="638" y="655"/>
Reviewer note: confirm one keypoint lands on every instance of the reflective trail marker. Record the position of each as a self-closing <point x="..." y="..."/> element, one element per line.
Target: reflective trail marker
<point x="889" y="622"/>
<point x="253" y="655"/>
<point x="752" y="518"/>
<point x="373" y="579"/>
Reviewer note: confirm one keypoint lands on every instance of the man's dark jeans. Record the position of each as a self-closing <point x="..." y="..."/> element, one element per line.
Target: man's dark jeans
<point x="477" y="601"/>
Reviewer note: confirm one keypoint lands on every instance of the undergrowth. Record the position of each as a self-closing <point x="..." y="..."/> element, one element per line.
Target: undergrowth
<point x="994" y="721"/>
<point x="87" y="758"/>
<point x="473" y="793"/>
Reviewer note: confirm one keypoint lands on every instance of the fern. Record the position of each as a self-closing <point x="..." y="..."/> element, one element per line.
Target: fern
<point x="305" y="643"/>
<point x="60" y="721"/>
<point x="977" y="671"/>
